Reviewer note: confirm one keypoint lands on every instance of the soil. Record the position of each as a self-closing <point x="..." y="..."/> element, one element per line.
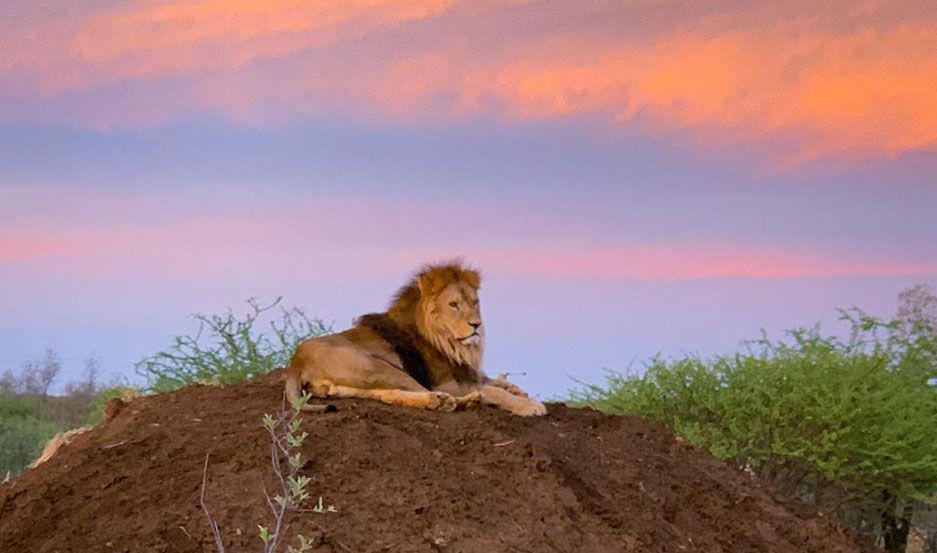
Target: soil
<point x="400" y="480"/>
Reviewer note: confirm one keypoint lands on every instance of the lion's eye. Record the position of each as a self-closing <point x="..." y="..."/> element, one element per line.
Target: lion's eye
<point x="453" y="304"/>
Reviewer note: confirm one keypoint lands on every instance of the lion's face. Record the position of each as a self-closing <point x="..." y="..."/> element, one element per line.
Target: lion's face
<point x="451" y="319"/>
<point x="455" y="313"/>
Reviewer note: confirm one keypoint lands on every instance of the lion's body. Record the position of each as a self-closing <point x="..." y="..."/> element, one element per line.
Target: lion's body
<point x="424" y="352"/>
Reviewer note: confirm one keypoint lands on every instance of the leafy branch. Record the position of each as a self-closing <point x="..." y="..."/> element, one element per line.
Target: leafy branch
<point x="286" y="440"/>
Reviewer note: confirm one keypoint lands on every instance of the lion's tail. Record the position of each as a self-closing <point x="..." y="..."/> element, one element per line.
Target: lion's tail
<point x="294" y="385"/>
<point x="294" y="391"/>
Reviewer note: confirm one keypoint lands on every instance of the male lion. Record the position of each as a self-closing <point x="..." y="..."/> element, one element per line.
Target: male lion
<point x="424" y="352"/>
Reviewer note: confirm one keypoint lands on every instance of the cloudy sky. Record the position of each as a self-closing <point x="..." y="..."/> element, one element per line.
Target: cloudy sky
<point x="632" y="177"/>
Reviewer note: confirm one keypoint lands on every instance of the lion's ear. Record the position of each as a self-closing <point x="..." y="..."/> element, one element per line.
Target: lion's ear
<point x="425" y="283"/>
<point x="472" y="277"/>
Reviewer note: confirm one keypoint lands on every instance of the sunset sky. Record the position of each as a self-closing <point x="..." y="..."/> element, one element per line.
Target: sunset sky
<point x="632" y="177"/>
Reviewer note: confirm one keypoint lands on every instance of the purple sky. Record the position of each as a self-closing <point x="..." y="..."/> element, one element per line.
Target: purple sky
<point x="631" y="180"/>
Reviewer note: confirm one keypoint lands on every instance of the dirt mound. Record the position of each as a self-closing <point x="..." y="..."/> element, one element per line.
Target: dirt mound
<point x="401" y="480"/>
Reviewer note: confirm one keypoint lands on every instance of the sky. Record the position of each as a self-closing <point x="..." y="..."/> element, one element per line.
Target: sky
<point x="632" y="177"/>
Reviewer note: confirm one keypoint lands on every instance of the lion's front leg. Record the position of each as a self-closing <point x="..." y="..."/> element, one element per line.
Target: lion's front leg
<point x="466" y="397"/>
<point x="503" y="399"/>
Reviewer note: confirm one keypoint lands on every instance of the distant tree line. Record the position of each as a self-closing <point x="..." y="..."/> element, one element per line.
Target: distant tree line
<point x="30" y="415"/>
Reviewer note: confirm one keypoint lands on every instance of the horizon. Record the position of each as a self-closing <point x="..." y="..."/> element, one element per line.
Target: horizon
<point x="631" y="179"/>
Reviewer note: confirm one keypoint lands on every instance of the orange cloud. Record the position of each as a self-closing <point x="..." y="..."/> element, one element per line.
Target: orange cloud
<point x="226" y="33"/>
<point x="860" y="94"/>
<point x="154" y="39"/>
<point x="799" y="83"/>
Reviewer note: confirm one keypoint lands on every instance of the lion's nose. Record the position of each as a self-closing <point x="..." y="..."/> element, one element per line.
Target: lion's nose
<point x="475" y="325"/>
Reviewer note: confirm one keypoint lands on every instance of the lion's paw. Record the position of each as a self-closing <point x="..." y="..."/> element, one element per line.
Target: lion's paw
<point x="441" y="401"/>
<point x="471" y="399"/>
<point x="503" y="383"/>
<point x="531" y="409"/>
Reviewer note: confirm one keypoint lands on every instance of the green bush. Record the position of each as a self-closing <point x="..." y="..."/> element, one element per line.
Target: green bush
<point x="226" y="348"/>
<point x="29" y="417"/>
<point x="19" y="406"/>
<point x="22" y="434"/>
<point x="849" y="425"/>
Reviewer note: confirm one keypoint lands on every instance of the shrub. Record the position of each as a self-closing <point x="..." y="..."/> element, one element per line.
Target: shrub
<point x="847" y="425"/>
<point x="29" y="417"/>
<point x="22" y="435"/>
<point x="226" y="348"/>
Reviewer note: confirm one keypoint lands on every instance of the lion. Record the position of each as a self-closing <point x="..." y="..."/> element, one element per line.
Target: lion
<point x="424" y="352"/>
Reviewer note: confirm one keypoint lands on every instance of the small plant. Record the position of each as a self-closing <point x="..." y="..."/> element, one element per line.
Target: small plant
<point x="286" y="440"/>
<point x="229" y="348"/>
<point x="321" y="509"/>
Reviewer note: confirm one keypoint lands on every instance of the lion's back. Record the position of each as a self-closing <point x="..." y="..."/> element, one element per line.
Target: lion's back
<point x="362" y="339"/>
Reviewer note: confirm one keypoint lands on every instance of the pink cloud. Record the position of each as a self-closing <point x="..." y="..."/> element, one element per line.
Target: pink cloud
<point x="361" y="236"/>
<point x="668" y="261"/>
<point x="25" y="247"/>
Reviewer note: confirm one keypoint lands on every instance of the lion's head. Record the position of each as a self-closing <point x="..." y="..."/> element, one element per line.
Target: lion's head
<point x="442" y="302"/>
